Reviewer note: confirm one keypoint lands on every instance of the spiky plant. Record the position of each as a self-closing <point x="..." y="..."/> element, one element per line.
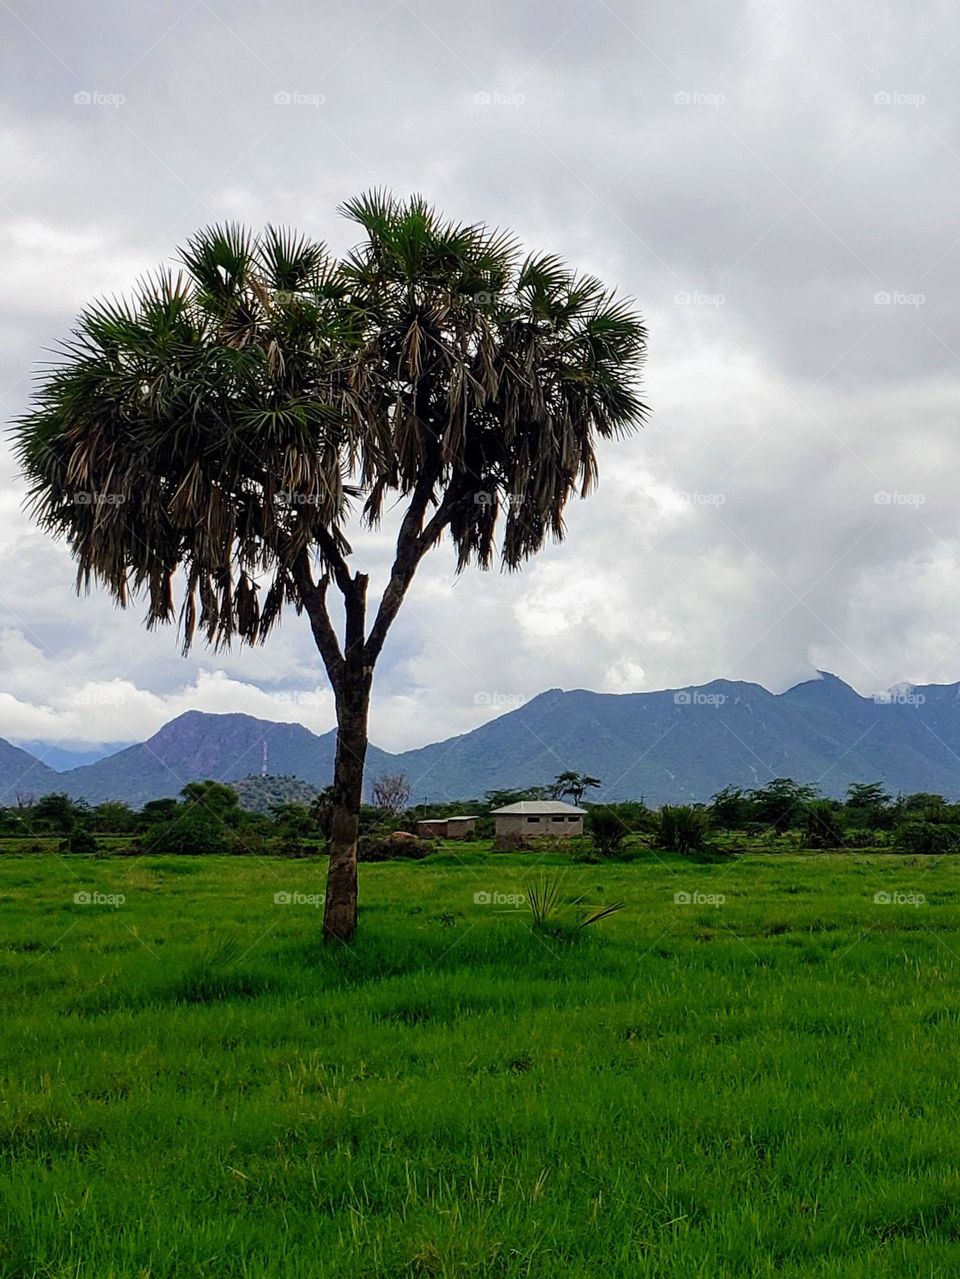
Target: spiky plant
<point x="551" y="914"/>
<point x="208" y="443"/>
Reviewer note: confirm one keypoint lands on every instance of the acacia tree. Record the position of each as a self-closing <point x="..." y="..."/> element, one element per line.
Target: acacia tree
<point x="574" y="784"/>
<point x="391" y="792"/>
<point x="209" y="439"/>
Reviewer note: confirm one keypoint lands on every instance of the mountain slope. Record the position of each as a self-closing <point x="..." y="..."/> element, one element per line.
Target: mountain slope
<point x="686" y="744"/>
<point x="196" y="746"/>
<point x="674" y="745"/>
<point x="22" y="773"/>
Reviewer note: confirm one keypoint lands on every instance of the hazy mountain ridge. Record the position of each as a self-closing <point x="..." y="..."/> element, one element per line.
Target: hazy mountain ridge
<point x="675" y="744"/>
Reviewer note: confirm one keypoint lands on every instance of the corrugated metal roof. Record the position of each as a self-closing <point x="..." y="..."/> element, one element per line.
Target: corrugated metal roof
<point x="539" y="808"/>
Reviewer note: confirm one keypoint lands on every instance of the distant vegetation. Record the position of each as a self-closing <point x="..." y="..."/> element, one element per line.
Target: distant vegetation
<point x="287" y="816"/>
<point x="258" y="794"/>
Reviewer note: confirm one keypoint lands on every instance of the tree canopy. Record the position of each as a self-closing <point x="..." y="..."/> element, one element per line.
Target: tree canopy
<point x="231" y="416"/>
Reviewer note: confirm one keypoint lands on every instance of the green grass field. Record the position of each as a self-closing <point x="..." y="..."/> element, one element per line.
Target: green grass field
<point x="764" y="1085"/>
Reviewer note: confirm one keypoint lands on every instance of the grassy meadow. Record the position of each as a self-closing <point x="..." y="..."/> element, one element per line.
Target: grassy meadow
<point x="762" y="1080"/>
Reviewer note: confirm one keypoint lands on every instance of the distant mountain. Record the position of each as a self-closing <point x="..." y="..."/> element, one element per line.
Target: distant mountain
<point x="196" y="746"/>
<point x="675" y="745"/>
<point x="60" y="759"/>
<point x="686" y="744"/>
<point x="22" y="774"/>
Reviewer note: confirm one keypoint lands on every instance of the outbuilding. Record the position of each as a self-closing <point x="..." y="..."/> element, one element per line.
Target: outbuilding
<point x="536" y="818"/>
<point x="459" y="827"/>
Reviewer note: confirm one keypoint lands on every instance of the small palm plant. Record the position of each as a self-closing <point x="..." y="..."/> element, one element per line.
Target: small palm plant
<point x="553" y="915"/>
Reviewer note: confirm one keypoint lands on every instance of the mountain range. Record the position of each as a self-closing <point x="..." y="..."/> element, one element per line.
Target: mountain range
<point x="671" y="746"/>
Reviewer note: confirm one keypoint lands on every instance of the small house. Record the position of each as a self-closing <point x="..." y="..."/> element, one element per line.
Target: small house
<point x="459" y="827"/>
<point x="534" y="819"/>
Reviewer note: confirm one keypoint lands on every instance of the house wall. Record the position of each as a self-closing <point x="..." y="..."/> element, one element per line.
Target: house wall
<point x="447" y="827"/>
<point x="428" y="828"/>
<point x="513" y="824"/>
<point x="460" y="829"/>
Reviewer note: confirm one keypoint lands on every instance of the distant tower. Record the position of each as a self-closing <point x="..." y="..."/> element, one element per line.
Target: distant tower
<point x="263" y="766"/>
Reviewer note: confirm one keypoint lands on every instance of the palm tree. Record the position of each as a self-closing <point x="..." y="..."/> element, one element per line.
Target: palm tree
<point x="211" y="439"/>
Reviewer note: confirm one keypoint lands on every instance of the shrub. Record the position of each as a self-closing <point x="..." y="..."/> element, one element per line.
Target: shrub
<point x="926" y="838"/>
<point x="683" y="828"/>
<point x="194" y="831"/>
<point x="381" y="848"/>
<point x="79" y="841"/>
<point x="823" y="824"/>
<point x="607" y="830"/>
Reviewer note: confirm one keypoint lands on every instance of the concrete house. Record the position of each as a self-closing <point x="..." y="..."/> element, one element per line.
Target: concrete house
<point x="534" y="818"/>
<point x="459" y="827"/>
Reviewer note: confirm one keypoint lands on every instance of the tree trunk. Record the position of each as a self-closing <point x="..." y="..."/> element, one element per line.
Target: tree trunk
<point x="353" y="705"/>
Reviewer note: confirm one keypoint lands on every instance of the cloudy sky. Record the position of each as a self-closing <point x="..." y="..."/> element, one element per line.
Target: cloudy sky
<point x="775" y="183"/>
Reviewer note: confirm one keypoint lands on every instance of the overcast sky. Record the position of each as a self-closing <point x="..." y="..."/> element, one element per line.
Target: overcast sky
<point x="776" y="185"/>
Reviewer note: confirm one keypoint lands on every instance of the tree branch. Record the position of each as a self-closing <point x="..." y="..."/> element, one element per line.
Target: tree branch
<point x="314" y="599"/>
<point x="333" y="556"/>
<point x="413" y="542"/>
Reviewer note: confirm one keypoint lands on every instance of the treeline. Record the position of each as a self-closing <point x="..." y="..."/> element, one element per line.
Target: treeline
<point x="867" y="816"/>
<point x="209" y="818"/>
